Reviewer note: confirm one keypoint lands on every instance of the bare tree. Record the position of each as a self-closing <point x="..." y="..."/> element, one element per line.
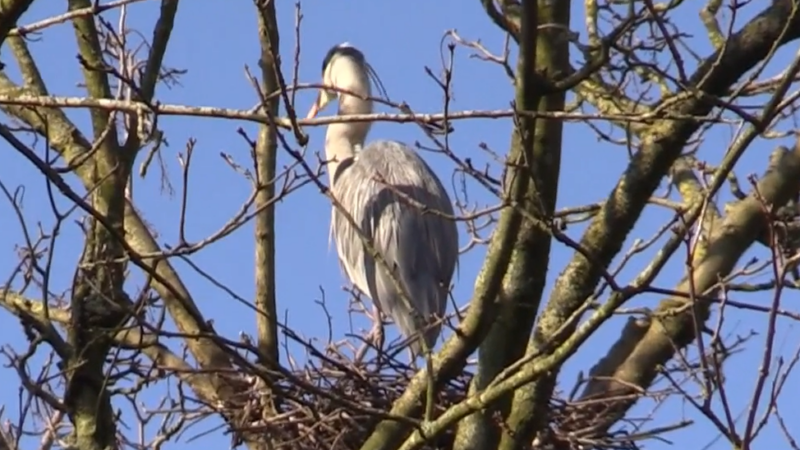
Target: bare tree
<point x="631" y="76"/>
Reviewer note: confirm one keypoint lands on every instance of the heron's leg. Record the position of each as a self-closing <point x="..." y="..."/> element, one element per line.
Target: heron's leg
<point x="430" y="402"/>
<point x="376" y="335"/>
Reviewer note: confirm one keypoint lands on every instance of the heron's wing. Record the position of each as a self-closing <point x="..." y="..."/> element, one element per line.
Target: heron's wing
<point x="404" y="215"/>
<point x="430" y="248"/>
<point x="383" y="191"/>
<point x="352" y="194"/>
<point x="377" y="213"/>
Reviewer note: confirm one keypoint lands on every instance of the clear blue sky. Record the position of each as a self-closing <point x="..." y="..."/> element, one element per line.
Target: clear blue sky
<point x="215" y="39"/>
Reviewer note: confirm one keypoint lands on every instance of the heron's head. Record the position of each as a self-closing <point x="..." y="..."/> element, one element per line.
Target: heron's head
<point x="345" y="72"/>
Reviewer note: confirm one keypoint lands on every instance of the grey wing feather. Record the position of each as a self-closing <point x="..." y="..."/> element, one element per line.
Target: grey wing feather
<point x="420" y="246"/>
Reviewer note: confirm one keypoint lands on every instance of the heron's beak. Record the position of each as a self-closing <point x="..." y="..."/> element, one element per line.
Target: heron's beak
<point x="315" y="109"/>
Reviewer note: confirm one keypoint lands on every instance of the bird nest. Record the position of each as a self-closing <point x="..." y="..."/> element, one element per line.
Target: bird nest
<point x="333" y="403"/>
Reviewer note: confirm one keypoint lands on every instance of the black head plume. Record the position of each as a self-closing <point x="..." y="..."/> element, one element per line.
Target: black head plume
<point x="347" y="50"/>
<point x="344" y="49"/>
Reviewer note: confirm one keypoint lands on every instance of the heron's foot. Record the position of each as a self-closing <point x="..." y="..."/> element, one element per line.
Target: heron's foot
<point x="373" y="339"/>
<point x="359" y="356"/>
<point x="376" y="336"/>
<point x="377" y="332"/>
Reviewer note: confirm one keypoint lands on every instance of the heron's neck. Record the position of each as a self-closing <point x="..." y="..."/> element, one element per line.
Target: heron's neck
<point x="341" y="139"/>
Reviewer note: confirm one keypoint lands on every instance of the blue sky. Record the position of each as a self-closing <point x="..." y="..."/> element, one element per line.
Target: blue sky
<point x="215" y="39"/>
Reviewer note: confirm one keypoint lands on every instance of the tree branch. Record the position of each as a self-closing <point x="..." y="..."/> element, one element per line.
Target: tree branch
<point x="266" y="157"/>
<point x="65" y="138"/>
<point x="152" y="69"/>
<point x="95" y="74"/>
<point x="524" y="282"/>
<point x="672" y="325"/>
<point x="10" y="13"/>
<point x="130" y="338"/>
<point x="663" y="143"/>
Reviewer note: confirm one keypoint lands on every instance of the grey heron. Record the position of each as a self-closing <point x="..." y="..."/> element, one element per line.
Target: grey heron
<point x="397" y="201"/>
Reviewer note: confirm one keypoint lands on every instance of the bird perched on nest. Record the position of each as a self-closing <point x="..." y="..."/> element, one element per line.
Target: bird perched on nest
<point x="396" y="201"/>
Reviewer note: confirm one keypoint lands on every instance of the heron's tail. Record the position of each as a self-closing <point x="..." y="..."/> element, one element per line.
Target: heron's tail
<point x="428" y="299"/>
<point x="415" y="332"/>
<point x="428" y="334"/>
